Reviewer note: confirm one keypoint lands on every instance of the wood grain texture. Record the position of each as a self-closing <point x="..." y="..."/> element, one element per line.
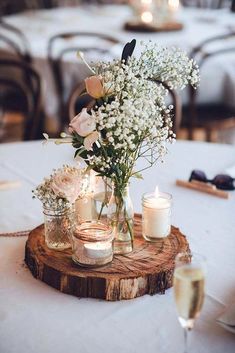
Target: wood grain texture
<point x="146" y="270"/>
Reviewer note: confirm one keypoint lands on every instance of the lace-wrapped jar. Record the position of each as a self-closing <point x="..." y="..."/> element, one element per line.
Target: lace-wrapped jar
<point x="92" y="244"/>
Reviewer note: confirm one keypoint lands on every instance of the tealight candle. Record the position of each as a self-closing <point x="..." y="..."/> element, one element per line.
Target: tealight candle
<point x="97" y="250"/>
<point x="156" y="215"/>
<point x="92" y="244"/>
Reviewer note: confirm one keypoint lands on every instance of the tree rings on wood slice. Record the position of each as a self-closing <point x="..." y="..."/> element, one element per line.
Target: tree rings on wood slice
<point x="146" y="270"/>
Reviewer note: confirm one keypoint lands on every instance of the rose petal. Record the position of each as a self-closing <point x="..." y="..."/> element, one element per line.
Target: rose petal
<point x="94" y="86"/>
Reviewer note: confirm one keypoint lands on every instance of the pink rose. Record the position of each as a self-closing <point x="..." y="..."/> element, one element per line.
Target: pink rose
<point x="90" y="139"/>
<point x="65" y="184"/>
<point x="83" y="123"/>
<point x="94" y="86"/>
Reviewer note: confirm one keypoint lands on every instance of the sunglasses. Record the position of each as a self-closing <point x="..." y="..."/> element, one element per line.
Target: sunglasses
<point x="221" y="181"/>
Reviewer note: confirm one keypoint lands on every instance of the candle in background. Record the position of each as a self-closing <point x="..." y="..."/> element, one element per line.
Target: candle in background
<point x="143" y="10"/>
<point x="173" y="7"/>
<point x="146" y="11"/>
<point x="156" y="215"/>
<point x="147" y="17"/>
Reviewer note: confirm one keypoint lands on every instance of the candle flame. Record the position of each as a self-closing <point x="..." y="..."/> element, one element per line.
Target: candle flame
<point x="156" y="192"/>
<point x="147" y="17"/>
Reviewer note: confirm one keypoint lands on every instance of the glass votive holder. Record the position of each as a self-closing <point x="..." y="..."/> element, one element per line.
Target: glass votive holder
<point x="156" y="213"/>
<point x="58" y="227"/>
<point x="92" y="244"/>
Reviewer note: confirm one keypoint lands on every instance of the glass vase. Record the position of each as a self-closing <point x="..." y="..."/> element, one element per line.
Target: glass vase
<point x="121" y="218"/>
<point x="59" y="226"/>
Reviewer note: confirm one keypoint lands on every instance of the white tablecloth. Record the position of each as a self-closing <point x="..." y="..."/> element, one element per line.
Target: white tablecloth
<point x="217" y="76"/>
<point x="35" y="318"/>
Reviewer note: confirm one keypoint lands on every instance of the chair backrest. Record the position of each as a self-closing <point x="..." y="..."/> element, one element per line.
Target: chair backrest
<point x="30" y="90"/>
<point x="15" y="40"/>
<point x="233" y="5"/>
<point x="70" y="43"/>
<point x="202" y="53"/>
<point x="214" y="4"/>
<point x="79" y="100"/>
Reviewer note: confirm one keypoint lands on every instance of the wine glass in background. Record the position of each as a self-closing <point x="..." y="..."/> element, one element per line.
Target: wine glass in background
<point x="189" y="284"/>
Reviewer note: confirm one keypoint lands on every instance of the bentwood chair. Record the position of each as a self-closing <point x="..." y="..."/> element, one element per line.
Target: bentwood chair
<point x="15" y="41"/>
<point x="26" y="115"/>
<point x="15" y="6"/>
<point x="63" y="45"/>
<point x="79" y="100"/>
<point x="211" y="118"/>
<point x="214" y="4"/>
<point x="14" y="46"/>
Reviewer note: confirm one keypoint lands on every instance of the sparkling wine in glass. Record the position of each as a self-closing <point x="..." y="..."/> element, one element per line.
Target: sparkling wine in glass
<point x="189" y="284"/>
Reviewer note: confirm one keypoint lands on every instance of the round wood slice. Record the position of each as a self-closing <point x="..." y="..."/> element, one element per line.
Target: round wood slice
<point x="137" y="26"/>
<point x="146" y="270"/>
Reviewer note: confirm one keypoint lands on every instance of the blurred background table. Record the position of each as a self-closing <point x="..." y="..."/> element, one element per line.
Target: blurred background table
<point x="35" y="318"/>
<point x="217" y="75"/>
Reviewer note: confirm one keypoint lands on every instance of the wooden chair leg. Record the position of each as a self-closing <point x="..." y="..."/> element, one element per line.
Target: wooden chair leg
<point x="208" y="135"/>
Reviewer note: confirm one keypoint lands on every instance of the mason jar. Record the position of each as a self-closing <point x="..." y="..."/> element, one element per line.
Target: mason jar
<point x="58" y="226"/>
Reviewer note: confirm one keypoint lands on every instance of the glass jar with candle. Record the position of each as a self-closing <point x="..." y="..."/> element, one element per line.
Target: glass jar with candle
<point x="92" y="244"/>
<point x="59" y="225"/>
<point x="156" y="213"/>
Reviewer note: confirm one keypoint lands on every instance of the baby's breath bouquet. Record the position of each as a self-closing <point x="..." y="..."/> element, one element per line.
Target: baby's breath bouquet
<point x="129" y="118"/>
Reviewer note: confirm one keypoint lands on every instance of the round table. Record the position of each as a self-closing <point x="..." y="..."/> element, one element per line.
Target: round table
<point x="35" y="318"/>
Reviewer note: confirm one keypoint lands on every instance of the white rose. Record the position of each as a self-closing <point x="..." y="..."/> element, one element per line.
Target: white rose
<point x="83" y="123"/>
<point x="65" y="184"/>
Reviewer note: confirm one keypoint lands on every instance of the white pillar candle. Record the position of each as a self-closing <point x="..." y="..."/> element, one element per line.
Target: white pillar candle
<point x="156" y="215"/>
<point x="85" y="208"/>
<point x="173" y="7"/>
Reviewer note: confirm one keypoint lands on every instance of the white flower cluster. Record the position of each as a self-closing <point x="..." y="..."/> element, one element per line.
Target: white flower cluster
<point x="131" y="119"/>
<point x="54" y="195"/>
<point x="168" y="65"/>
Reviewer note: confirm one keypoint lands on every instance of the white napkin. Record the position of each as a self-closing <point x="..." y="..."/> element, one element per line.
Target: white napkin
<point x="227" y="318"/>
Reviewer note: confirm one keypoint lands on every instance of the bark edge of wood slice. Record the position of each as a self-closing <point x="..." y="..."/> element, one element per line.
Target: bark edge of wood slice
<point x="146" y="270"/>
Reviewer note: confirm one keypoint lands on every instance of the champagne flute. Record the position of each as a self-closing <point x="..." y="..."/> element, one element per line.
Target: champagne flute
<point x="189" y="282"/>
